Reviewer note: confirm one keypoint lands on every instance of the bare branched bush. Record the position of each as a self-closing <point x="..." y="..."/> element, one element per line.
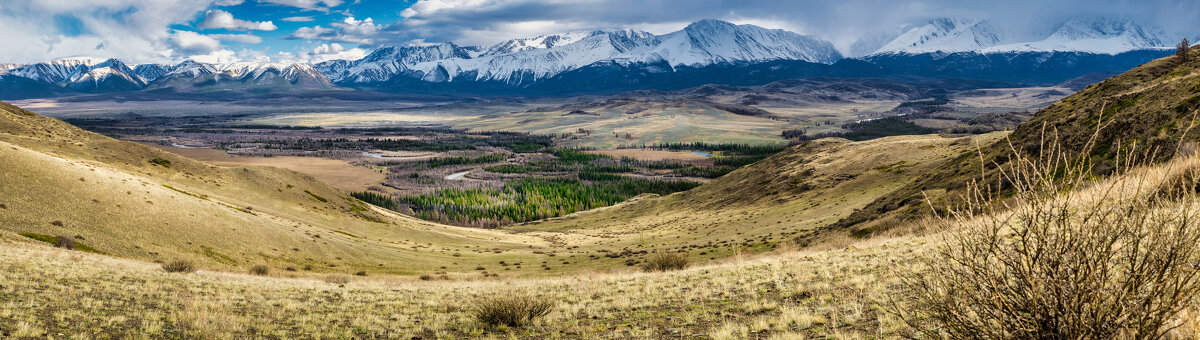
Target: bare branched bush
<point x="179" y="266"/>
<point x="665" y="261"/>
<point x="337" y="279"/>
<point x="65" y="242"/>
<point x="1065" y="257"/>
<point x="512" y="310"/>
<point x="260" y="270"/>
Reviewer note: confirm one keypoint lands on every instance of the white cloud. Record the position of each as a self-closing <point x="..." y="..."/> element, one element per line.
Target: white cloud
<point x="299" y="19"/>
<point x="322" y="5"/>
<point x="217" y="57"/>
<point x="217" y="19"/>
<point x="134" y="30"/>
<point x="349" y="30"/>
<point x="192" y="42"/>
<point x="241" y="38"/>
<point x="325" y="52"/>
<point x="228" y="2"/>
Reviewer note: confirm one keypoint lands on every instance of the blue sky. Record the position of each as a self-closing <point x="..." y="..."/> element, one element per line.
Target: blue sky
<point x="169" y="31"/>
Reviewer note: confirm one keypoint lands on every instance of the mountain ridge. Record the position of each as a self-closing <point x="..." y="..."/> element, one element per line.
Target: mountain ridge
<point x="626" y="59"/>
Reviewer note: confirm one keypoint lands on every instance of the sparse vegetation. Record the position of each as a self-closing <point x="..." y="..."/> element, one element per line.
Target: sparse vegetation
<point x="337" y="279"/>
<point x="1061" y="261"/>
<point x="865" y="130"/>
<point x="160" y="162"/>
<point x="513" y="309"/>
<point x="61" y="241"/>
<point x="179" y="266"/>
<point x="65" y="242"/>
<point x="444" y="161"/>
<point x="316" y="197"/>
<point x="376" y="199"/>
<point x="666" y="261"/>
<point x="1181" y="50"/>
<point x="528" y="199"/>
<point x="260" y="270"/>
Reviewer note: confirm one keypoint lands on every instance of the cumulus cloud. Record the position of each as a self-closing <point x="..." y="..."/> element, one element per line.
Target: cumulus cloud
<point x="323" y="5"/>
<point x="325" y="52"/>
<point x="217" y="57"/>
<point x="134" y="30"/>
<point x="218" y="19"/>
<point x="241" y="38"/>
<point x="349" y="30"/>
<point x="154" y="30"/>
<point x="841" y="21"/>
<point x="192" y="42"/>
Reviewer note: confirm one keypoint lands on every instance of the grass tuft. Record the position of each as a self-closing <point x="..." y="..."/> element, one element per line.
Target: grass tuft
<point x="337" y="279"/>
<point x="260" y="270"/>
<point x="665" y="261"/>
<point x="65" y="242"/>
<point x="513" y="310"/>
<point x="179" y="266"/>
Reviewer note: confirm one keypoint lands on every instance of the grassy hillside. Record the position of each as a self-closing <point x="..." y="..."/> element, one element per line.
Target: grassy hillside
<point x="840" y="290"/>
<point x="134" y="201"/>
<point x="130" y="200"/>
<point x="793" y="195"/>
<point x="1150" y="109"/>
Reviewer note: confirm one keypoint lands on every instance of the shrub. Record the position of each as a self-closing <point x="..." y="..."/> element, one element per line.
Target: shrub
<point x="337" y="279"/>
<point x="361" y="273"/>
<point x="65" y="242"/>
<point x="426" y="277"/>
<point x="1059" y="261"/>
<point x="512" y="310"/>
<point x="260" y="270"/>
<point x="160" y="162"/>
<point x="179" y="266"/>
<point x="665" y="261"/>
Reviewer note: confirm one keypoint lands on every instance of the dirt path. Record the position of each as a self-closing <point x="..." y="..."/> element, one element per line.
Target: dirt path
<point x="457" y="176"/>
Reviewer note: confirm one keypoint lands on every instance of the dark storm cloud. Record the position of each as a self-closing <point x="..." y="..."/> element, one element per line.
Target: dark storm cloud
<point x="473" y="21"/>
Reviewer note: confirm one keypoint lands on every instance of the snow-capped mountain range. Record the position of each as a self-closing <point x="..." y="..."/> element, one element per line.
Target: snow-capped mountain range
<point x="631" y="54"/>
<point x="1095" y="35"/>
<point x="518" y="61"/>
<point x="92" y="74"/>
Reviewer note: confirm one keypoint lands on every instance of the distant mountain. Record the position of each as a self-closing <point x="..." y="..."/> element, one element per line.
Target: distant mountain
<point x="521" y="62"/>
<point x="269" y="76"/>
<point x="1107" y="36"/>
<point x="81" y="74"/>
<point x="91" y="75"/>
<point x="1088" y="35"/>
<point x="945" y="35"/>
<point x="540" y="42"/>
<point x="386" y="62"/>
<point x="873" y="41"/>
<point x="617" y="60"/>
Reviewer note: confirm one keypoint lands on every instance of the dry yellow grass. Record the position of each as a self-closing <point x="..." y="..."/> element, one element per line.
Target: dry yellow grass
<point x="337" y="173"/>
<point x="231" y="218"/>
<point x="48" y="291"/>
<point x="835" y="288"/>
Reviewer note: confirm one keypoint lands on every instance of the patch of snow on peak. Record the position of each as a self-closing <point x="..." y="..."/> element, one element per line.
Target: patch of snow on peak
<point x="945" y="35"/>
<point x="1101" y="35"/>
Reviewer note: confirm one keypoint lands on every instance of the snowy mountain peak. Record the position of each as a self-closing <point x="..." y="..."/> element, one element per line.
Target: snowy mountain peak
<point x="715" y="41"/>
<point x="518" y="61"/>
<point x="1101" y="28"/>
<point x="1094" y="35"/>
<point x="539" y="42"/>
<point x="415" y="54"/>
<point x="945" y="35"/>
